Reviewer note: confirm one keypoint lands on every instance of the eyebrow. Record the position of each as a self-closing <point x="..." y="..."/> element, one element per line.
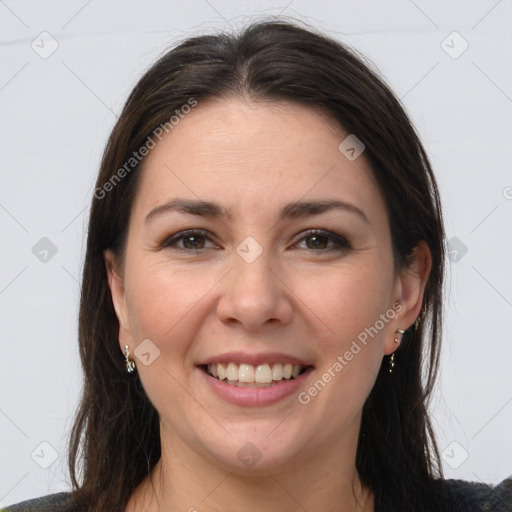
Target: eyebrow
<point x="294" y="210"/>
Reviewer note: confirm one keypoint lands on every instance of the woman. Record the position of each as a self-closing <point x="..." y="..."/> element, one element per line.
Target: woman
<point x="262" y="291"/>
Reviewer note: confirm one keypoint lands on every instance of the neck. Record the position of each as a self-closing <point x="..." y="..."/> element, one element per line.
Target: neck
<point x="185" y="480"/>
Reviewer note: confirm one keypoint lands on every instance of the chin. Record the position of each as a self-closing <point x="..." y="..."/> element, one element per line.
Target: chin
<point x="255" y="452"/>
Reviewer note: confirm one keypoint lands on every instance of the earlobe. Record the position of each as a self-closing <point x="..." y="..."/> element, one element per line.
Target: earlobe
<point x="410" y="289"/>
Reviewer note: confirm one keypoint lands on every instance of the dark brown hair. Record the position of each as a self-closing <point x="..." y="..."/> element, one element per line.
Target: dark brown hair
<point x="115" y="439"/>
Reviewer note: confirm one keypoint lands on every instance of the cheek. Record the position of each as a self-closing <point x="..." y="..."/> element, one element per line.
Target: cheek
<point x="351" y="305"/>
<point x="164" y="303"/>
<point x="164" y="307"/>
<point x="346" y="300"/>
<point x="347" y="303"/>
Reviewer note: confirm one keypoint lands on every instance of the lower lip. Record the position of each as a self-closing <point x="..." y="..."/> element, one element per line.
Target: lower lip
<point x="255" y="397"/>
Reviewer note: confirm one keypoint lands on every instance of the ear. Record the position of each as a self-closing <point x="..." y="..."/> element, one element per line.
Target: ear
<point x="117" y="290"/>
<point x="409" y="289"/>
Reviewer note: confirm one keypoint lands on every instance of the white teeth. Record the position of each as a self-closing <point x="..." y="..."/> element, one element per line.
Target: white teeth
<point x="263" y="373"/>
<point x="248" y="373"/>
<point x="245" y="373"/>
<point x="232" y="371"/>
<point x="277" y="371"/>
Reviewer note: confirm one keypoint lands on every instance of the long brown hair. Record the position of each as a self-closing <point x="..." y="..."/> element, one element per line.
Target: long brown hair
<point x="115" y="439"/>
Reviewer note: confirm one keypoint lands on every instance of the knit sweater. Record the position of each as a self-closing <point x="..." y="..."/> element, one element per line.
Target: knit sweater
<point x="471" y="496"/>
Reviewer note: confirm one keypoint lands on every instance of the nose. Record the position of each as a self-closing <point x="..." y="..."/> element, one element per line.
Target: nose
<point x="254" y="294"/>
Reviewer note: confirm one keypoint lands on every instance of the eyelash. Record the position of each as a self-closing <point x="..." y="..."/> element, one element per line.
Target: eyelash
<point x="341" y="243"/>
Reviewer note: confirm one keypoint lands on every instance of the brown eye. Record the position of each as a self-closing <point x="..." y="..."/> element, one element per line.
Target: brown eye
<point x="193" y="241"/>
<point x="190" y="240"/>
<point x="315" y="240"/>
<point x="318" y="240"/>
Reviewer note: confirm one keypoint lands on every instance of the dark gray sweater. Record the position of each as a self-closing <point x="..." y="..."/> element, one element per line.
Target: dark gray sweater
<point x="470" y="496"/>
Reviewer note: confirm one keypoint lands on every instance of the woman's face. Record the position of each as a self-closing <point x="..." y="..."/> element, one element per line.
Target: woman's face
<point x="254" y="293"/>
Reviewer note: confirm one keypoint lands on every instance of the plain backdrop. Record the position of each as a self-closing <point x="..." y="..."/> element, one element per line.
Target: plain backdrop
<point x="66" y="70"/>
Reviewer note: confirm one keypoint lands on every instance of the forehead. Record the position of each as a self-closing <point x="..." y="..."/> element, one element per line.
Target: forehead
<point x="246" y="153"/>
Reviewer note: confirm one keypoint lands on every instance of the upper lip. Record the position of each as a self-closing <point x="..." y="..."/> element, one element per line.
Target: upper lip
<point x="254" y="359"/>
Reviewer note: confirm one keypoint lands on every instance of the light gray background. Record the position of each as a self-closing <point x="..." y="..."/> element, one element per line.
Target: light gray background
<point x="57" y="112"/>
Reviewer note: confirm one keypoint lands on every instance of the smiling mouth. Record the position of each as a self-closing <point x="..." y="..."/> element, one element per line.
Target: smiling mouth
<point x="254" y="376"/>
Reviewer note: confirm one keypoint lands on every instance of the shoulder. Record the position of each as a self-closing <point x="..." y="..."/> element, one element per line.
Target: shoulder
<point x="51" y="503"/>
<point x="477" y="496"/>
